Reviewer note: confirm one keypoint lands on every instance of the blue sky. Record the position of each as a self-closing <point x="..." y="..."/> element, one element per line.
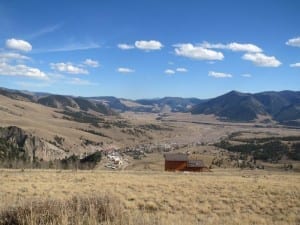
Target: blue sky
<point x="147" y="49"/>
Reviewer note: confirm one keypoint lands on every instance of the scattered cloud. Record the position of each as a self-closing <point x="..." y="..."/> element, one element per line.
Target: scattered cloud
<point x="181" y="70"/>
<point x="234" y="46"/>
<point x="91" y="63"/>
<point x="125" y="46"/>
<point x="219" y="75"/>
<point x="197" y="52"/>
<point x="295" y="65"/>
<point x="45" y="30"/>
<point x="8" y="56"/>
<point x="68" y="68"/>
<point x="246" y="75"/>
<point x="295" y="42"/>
<point x="260" y="59"/>
<point x="125" y="70"/>
<point x="148" y="45"/>
<point x="20" y="45"/>
<point x="21" y="70"/>
<point x="78" y="81"/>
<point x="169" y="71"/>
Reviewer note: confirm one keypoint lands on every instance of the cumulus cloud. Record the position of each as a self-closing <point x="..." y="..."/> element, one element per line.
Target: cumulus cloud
<point x="169" y="71"/>
<point x="295" y="65"/>
<point x="148" y="45"/>
<point x="260" y="59"/>
<point x="246" y="75"/>
<point x="68" y="68"/>
<point x="197" y="52"/>
<point x="91" y="63"/>
<point x="8" y="56"/>
<point x="125" y="70"/>
<point x="181" y="70"/>
<point x="219" y="75"/>
<point x="234" y="46"/>
<point x="295" y="42"/>
<point x="125" y="46"/>
<point x="20" y="45"/>
<point x="21" y="70"/>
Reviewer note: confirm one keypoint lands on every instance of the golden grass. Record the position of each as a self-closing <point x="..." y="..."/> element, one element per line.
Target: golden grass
<point x="220" y="197"/>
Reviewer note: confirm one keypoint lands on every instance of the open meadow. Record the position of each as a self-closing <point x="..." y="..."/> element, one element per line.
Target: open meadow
<point x="227" y="196"/>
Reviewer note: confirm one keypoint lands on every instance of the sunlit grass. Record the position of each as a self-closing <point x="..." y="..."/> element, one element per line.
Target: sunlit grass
<point x="219" y="197"/>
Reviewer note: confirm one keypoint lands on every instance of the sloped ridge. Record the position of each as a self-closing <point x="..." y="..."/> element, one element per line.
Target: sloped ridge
<point x="57" y="101"/>
<point x="289" y="115"/>
<point x="281" y="106"/>
<point x="67" y="102"/>
<point x="86" y="105"/>
<point x="112" y="102"/>
<point x="176" y="104"/>
<point x="232" y="106"/>
<point x="18" y="95"/>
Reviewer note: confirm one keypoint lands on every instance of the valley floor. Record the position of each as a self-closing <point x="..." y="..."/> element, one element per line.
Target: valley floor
<point x="227" y="196"/>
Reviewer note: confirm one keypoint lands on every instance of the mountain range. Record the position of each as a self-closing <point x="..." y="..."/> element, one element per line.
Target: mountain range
<point x="282" y="107"/>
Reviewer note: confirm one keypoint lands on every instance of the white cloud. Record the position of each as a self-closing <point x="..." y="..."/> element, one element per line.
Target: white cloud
<point x="246" y="75"/>
<point x="92" y="63"/>
<point x="8" y="56"/>
<point x="21" y="70"/>
<point x="148" y="45"/>
<point x="68" y="68"/>
<point x="243" y="47"/>
<point x="219" y="75"/>
<point x="125" y="70"/>
<point x="125" y="46"/>
<point x="169" y="71"/>
<point x="18" y="45"/>
<point x="259" y="59"/>
<point x="72" y="47"/>
<point x="181" y="70"/>
<point x="78" y="81"/>
<point x="295" y="65"/>
<point x="295" y="42"/>
<point x="197" y="52"/>
<point x="234" y="46"/>
<point x="45" y="30"/>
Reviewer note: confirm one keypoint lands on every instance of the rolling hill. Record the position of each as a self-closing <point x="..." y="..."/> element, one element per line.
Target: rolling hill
<point x="157" y="105"/>
<point x="57" y="101"/>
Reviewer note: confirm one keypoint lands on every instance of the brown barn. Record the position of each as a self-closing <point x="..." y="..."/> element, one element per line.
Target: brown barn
<point x="182" y="162"/>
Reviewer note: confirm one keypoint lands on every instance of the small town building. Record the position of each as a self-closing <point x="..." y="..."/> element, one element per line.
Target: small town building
<point x="183" y="162"/>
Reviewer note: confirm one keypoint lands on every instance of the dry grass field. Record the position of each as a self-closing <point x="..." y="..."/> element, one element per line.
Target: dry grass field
<point x="218" y="197"/>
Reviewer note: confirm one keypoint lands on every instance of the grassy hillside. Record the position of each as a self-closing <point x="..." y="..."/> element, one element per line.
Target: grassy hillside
<point x="228" y="197"/>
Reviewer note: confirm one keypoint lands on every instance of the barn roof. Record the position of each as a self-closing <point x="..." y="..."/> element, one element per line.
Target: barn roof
<point x="176" y="157"/>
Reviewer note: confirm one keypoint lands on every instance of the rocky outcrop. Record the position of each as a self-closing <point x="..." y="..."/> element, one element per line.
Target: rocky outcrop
<point x="19" y="144"/>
